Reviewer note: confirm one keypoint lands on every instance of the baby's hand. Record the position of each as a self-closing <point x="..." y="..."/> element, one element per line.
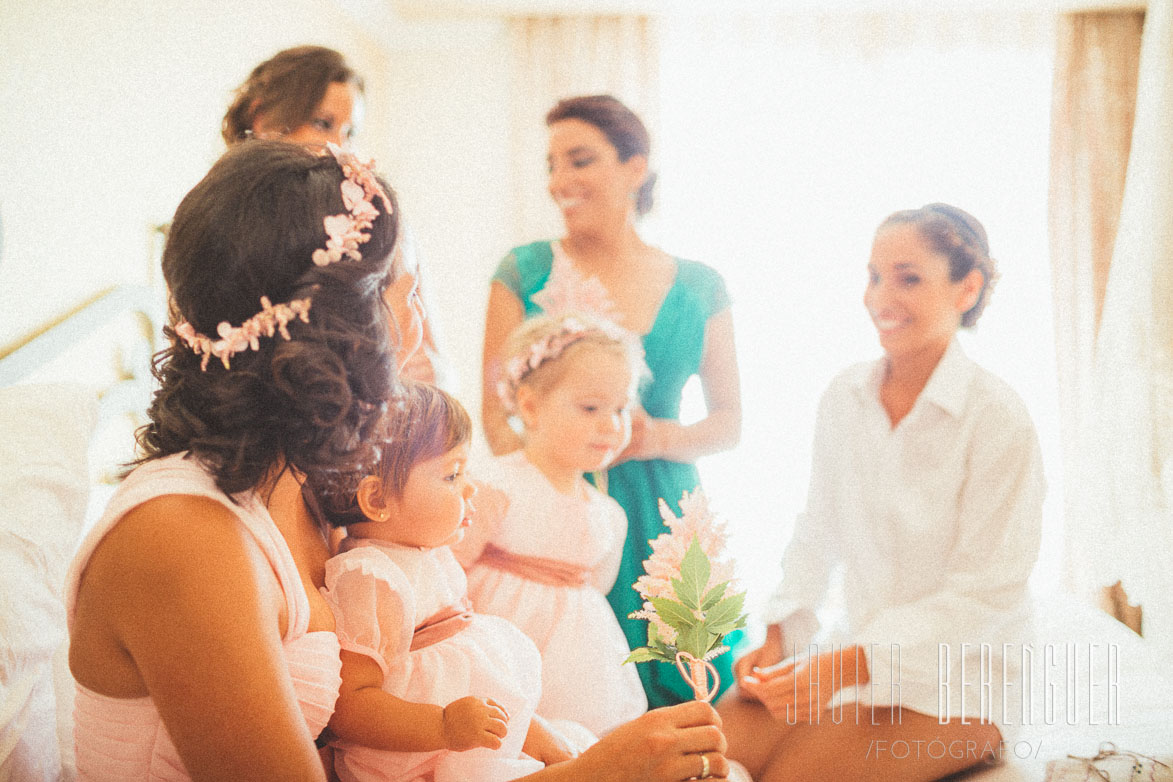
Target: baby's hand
<point x="473" y="722"/>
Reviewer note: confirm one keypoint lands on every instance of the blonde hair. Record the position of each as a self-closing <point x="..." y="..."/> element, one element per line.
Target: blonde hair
<point x="539" y="351"/>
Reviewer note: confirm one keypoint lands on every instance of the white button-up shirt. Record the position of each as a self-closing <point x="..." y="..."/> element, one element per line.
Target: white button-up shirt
<point x="935" y="522"/>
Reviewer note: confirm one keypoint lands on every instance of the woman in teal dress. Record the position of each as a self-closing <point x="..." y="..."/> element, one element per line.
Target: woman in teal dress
<point x="599" y="179"/>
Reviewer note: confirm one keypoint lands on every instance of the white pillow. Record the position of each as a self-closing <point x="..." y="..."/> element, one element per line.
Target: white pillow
<point x="44" y="484"/>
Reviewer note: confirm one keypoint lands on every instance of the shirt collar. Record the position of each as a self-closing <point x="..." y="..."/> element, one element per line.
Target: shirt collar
<point x="947" y="388"/>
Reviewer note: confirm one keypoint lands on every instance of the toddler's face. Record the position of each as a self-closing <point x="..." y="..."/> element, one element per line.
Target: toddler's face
<point x="436" y="504"/>
<point x="584" y="421"/>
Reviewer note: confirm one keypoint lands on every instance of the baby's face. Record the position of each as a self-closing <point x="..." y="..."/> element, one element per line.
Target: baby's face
<point x="436" y="504"/>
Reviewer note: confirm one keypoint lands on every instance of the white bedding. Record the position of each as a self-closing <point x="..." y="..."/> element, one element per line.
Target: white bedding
<point x="1144" y="719"/>
<point x="44" y="483"/>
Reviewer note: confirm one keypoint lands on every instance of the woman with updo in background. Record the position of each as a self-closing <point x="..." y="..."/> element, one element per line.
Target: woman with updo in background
<point x="600" y="182"/>
<point x="311" y="95"/>
<point x="926" y="491"/>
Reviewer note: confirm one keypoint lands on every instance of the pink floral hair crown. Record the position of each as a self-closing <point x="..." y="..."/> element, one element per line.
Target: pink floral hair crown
<point x="345" y="232"/>
<point x="572" y="328"/>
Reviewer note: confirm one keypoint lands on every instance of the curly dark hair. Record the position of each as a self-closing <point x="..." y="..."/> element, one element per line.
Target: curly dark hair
<point x="314" y="402"/>
<point x="622" y="127"/>
<point x="288" y="86"/>
<point x="961" y="238"/>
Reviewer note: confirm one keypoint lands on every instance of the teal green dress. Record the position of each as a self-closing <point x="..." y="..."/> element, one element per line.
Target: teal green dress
<point x="673" y="351"/>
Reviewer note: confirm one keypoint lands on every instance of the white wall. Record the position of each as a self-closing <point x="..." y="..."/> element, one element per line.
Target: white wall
<point x="111" y="113"/>
<point x="449" y="95"/>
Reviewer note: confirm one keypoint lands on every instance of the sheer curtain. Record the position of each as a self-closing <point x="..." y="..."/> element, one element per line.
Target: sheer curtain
<point x="1131" y="448"/>
<point x="559" y="57"/>
<point x="784" y="141"/>
<point x="1097" y="60"/>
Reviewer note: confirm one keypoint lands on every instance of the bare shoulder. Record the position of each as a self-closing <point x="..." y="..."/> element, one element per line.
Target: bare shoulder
<point x="180" y="559"/>
<point x="170" y="539"/>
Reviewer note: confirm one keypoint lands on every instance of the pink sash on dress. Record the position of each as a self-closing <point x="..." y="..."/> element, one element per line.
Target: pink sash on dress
<point x="442" y="625"/>
<point x="551" y="572"/>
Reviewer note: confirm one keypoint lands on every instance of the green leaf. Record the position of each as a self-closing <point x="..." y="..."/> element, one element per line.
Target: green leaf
<point x="641" y="655"/>
<point x="656" y="650"/>
<point x="674" y="614"/>
<point x="694" y="573"/>
<point x="714" y="596"/>
<point x="654" y="635"/>
<point x="726" y="611"/>
<point x="664" y="651"/>
<point x="694" y="640"/>
<point x="684" y="594"/>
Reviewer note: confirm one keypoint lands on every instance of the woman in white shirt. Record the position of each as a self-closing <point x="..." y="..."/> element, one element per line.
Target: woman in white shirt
<point x="926" y="492"/>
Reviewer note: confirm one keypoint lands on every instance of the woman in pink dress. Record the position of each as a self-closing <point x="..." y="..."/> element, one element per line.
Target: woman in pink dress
<point x="199" y="642"/>
<point x="200" y="645"/>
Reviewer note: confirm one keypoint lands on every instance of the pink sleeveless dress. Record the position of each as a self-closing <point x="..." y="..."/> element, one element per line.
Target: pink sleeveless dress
<point x="572" y="625"/>
<point x="124" y="739"/>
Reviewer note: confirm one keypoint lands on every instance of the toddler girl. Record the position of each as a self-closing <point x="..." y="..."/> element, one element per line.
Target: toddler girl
<point x="429" y="691"/>
<point x="548" y="563"/>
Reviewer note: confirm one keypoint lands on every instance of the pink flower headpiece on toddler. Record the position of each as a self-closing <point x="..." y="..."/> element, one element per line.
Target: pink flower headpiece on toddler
<point x="345" y="233"/>
<point x="572" y="329"/>
<point x="585" y="307"/>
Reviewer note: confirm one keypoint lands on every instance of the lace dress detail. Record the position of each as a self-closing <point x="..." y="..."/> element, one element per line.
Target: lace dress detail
<point x="386" y="599"/>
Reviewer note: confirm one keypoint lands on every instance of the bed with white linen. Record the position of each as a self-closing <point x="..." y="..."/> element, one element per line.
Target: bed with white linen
<point x="1103" y="683"/>
<point x="70" y="400"/>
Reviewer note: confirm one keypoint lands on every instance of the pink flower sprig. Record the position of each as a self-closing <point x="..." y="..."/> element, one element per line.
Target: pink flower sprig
<point x="687" y="587"/>
<point x="273" y="318"/>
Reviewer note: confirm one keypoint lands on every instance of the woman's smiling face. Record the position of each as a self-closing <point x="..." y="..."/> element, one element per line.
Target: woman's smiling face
<point x="589" y="184"/>
<point x="913" y="303"/>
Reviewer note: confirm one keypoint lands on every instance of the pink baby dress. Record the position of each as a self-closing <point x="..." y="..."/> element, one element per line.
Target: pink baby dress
<point x="407" y="608"/>
<point x="124" y="739"/>
<point x="547" y="569"/>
